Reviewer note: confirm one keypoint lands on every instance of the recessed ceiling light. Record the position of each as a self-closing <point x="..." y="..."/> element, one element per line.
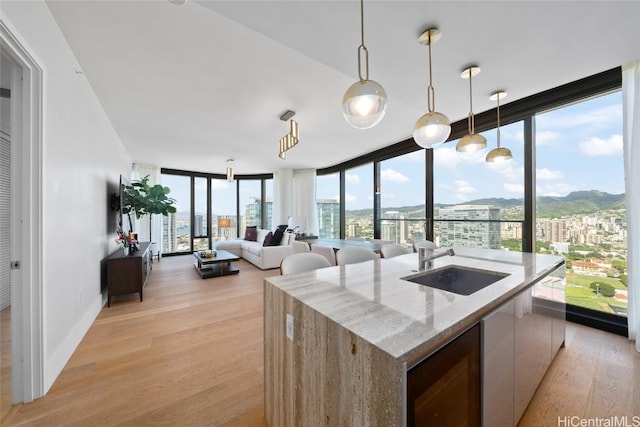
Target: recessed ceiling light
<point x="177" y="2"/>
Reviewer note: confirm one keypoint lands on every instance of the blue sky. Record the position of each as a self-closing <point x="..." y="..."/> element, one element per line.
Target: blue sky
<point x="579" y="147"/>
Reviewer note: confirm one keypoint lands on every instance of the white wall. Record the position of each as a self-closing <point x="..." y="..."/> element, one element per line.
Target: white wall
<point x="82" y="161"/>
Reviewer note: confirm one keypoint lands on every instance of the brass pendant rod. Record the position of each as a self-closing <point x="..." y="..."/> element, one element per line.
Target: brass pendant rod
<point x="498" y="112"/>
<point x="472" y="120"/>
<point x="431" y="94"/>
<point x="362" y="47"/>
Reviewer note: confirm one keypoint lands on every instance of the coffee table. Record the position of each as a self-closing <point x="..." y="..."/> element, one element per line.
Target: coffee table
<point x="219" y="265"/>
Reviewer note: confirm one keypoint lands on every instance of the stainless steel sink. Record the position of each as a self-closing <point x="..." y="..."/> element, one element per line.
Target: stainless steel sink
<point x="456" y="279"/>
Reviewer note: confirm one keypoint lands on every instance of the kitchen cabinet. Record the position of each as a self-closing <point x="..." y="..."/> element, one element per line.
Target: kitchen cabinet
<point x="498" y="349"/>
<point x="520" y="339"/>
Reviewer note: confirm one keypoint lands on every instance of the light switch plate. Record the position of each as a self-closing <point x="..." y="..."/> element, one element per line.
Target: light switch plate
<point x="289" y="326"/>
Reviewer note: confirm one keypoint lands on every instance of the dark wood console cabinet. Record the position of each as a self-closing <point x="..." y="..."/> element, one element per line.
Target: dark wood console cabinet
<point x="127" y="274"/>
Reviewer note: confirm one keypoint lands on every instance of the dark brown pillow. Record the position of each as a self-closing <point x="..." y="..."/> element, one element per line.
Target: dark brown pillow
<point x="251" y="233"/>
<point x="267" y="239"/>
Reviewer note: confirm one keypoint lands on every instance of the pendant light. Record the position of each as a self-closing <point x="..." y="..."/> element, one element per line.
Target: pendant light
<point x="498" y="154"/>
<point x="365" y="102"/>
<point x="433" y="128"/>
<point x="472" y="141"/>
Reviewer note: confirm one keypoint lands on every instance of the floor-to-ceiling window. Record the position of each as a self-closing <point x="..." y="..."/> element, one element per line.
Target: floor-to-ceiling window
<point x="208" y="209"/>
<point x="480" y="204"/>
<point x="176" y="236"/>
<point x="358" y="202"/>
<point x="200" y="214"/>
<point x="250" y="203"/>
<point x="328" y="205"/>
<point x="223" y="208"/>
<point x="402" y="198"/>
<point x="268" y="204"/>
<point x="580" y="209"/>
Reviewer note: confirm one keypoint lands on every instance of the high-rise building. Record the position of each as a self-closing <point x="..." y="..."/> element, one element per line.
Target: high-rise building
<point x="479" y="232"/>
<point x="394" y="228"/>
<point x="169" y="241"/>
<point x="328" y="218"/>
<point x="555" y="230"/>
<point x="268" y="214"/>
<point x="252" y="214"/>
<point x="198" y="227"/>
<point x="352" y="230"/>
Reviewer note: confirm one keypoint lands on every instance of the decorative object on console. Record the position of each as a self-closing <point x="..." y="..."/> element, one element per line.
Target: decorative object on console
<point x="365" y="102"/>
<point x="290" y="140"/>
<point x="472" y="141"/>
<point x="432" y="128"/>
<point x="128" y="241"/>
<point x="498" y="154"/>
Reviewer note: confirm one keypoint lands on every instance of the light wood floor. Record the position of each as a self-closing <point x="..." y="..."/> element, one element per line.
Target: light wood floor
<point x="191" y="354"/>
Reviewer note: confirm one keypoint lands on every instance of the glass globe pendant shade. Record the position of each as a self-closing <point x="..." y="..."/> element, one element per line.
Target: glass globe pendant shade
<point x="471" y="142"/>
<point x="364" y="104"/>
<point x="499" y="155"/>
<point x="431" y="129"/>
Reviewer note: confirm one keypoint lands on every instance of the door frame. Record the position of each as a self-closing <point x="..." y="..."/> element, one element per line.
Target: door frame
<point x="27" y="308"/>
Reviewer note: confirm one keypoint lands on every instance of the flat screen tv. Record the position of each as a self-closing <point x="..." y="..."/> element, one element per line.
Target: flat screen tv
<point x="118" y="201"/>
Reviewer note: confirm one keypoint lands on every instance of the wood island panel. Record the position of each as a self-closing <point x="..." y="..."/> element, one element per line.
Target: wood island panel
<point x="305" y="378"/>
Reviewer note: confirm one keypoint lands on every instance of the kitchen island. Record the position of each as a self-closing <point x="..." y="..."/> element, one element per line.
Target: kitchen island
<point x="340" y="341"/>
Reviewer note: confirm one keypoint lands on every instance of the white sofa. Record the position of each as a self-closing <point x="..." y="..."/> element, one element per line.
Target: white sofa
<point x="263" y="257"/>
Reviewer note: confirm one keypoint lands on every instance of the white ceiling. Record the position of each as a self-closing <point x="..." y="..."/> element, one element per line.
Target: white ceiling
<point x="188" y="87"/>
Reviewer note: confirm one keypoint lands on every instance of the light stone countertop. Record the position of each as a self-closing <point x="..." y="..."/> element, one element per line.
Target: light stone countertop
<point x="407" y="320"/>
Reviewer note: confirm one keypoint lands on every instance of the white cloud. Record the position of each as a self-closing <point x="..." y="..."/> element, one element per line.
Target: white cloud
<point x="464" y="189"/>
<point x="391" y="175"/>
<point x="446" y="157"/>
<point x="513" y="188"/>
<point x="547" y="138"/>
<point x="564" y="119"/>
<point x="473" y="157"/>
<point x="545" y="174"/>
<point x="559" y="189"/>
<point x="413" y="157"/>
<point x="352" y="178"/>
<point x="509" y="170"/>
<point x="602" y="147"/>
<point x="349" y="198"/>
<point x="220" y="185"/>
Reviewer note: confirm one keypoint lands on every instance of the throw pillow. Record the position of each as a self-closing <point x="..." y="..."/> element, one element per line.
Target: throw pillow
<point x="251" y="233"/>
<point x="267" y="239"/>
<point x="277" y="237"/>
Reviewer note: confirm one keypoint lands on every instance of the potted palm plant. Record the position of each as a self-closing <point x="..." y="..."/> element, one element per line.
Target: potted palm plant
<point x="142" y="199"/>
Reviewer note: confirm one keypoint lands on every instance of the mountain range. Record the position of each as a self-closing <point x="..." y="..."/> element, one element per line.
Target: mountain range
<point x="575" y="203"/>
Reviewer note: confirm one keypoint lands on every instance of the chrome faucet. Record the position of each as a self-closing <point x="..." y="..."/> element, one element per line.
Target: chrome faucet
<point x="426" y="257"/>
